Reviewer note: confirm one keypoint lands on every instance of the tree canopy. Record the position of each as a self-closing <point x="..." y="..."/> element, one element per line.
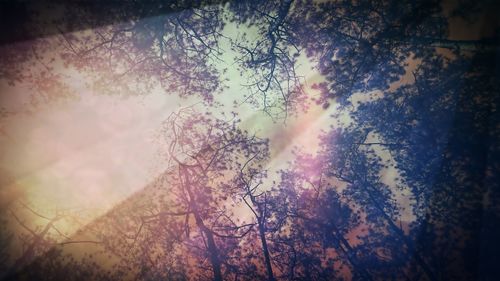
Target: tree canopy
<point x="403" y="185"/>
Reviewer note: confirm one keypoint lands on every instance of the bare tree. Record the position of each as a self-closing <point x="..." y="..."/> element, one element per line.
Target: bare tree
<point x="269" y="62"/>
<point x="250" y="180"/>
<point x="205" y="152"/>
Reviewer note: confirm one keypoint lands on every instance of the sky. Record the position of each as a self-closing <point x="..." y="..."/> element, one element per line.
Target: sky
<point x="88" y="151"/>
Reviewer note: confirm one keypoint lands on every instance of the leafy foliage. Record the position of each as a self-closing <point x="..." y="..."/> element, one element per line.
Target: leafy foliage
<point x="405" y="189"/>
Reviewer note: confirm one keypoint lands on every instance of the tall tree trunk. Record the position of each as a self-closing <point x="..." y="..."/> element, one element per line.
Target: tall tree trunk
<point x="213" y="253"/>
<point x="265" y="250"/>
<point x="214" y="256"/>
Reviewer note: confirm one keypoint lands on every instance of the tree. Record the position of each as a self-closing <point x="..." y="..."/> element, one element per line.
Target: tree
<point x="170" y="44"/>
<point x="269" y="61"/>
<point x="206" y="152"/>
<point x="250" y="179"/>
<point x="365" y="46"/>
<point x="439" y="137"/>
<point x="398" y="191"/>
<point x="325" y="222"/>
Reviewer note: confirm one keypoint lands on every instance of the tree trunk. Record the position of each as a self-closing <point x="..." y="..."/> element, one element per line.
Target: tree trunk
<point x="265" y="250"/>
<point x="214" y="256"/>
<point x="213" y="253"/>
